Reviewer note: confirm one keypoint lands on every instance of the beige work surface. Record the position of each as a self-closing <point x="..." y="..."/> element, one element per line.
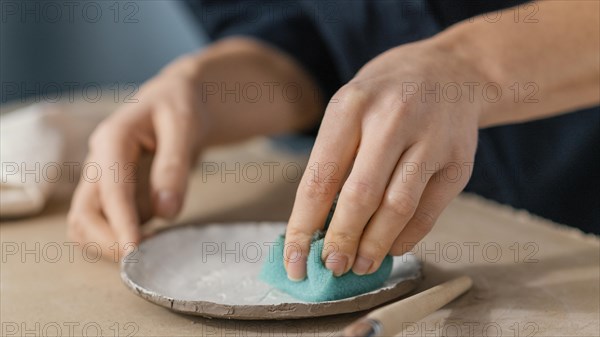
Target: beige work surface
<point x="532" y="277"/>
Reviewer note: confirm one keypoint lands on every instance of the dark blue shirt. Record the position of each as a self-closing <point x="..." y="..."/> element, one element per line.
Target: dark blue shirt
<point x="550" y="167"/>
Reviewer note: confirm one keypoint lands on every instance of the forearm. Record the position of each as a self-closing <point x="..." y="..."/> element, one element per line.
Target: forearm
<point x="543" y="68"/>
<point x="250" y="89"/>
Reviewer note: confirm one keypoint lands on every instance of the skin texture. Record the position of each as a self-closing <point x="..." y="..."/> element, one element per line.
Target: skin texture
<point x="179" y="112"/>
<point x="386" y="152"/>
<point x="395" y="153"/>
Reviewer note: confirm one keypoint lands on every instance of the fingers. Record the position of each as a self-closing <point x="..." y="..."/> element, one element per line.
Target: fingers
<point x="330" y="160"/>
<point x="436" y="197"/>
<point x="86" y="223"/>
<point x="172" y="161"/>
<point x="163" y="124"/>
<point x="360" y="197"/>
<point x="399" y="203"/>
<point x="117" y="154"/>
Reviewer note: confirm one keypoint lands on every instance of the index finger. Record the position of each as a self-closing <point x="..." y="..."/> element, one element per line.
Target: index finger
<point x="330" y="160"/>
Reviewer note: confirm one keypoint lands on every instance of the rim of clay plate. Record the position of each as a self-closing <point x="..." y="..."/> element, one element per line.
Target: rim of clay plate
<point x="281" y="311"/>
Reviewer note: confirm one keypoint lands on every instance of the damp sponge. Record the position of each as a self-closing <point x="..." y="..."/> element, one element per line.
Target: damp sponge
<point x="320" y="284"/>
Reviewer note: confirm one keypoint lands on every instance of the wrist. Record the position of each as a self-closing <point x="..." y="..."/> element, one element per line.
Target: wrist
<point x="458" y="80"/>
<point x="480" y="76"/>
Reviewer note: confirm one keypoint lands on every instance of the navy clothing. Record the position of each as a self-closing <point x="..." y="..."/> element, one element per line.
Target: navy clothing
<point x="549" y="167"/>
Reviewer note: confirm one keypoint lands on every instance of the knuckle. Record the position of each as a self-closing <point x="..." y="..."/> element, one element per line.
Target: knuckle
<point x="343" y="238"/>
<point x="460" y="153"/>
<point x="422" y="222"/>
<point x="350" y="97"/>
<point x="361" y="194"/>
<point x="105" y="133"/>
<point x="293" y="232"/>
<point x="316" y="190"/>
<point x="374" y="249"/>
<point x="458" y="171"/>
<point x="401" y="204"/>
<point x="295" y="236"/>
<point x="399" y="107"/>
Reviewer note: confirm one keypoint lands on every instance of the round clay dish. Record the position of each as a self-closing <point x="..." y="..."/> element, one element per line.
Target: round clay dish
<point x="212" y="270"/>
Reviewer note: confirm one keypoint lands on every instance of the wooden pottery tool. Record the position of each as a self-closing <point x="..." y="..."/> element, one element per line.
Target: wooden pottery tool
<point x="391" y="319"/>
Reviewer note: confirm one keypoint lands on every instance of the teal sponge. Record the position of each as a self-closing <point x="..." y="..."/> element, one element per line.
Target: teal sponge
<point x="320" y="284"/>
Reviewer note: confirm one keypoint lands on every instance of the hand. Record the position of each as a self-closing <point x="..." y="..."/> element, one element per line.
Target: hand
<point x="396" y="155"/>
<point x="166" y="121"/>
<point x="175" y="118"/>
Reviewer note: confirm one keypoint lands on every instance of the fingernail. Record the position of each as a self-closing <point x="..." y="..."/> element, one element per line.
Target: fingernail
<point x="336" y="262"/>
<point x="362" y="265"/>
<point x="168" y="204"/>
<point x="296" y="266"/>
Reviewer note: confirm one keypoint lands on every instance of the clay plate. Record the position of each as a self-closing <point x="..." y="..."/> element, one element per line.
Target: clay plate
<point x="212" y="271"/>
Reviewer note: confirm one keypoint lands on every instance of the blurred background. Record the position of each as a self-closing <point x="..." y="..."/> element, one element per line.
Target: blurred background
<point x="47" y="46"/>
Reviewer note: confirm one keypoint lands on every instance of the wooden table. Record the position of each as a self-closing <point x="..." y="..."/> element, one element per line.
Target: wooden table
<point x="532" y="277"/>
